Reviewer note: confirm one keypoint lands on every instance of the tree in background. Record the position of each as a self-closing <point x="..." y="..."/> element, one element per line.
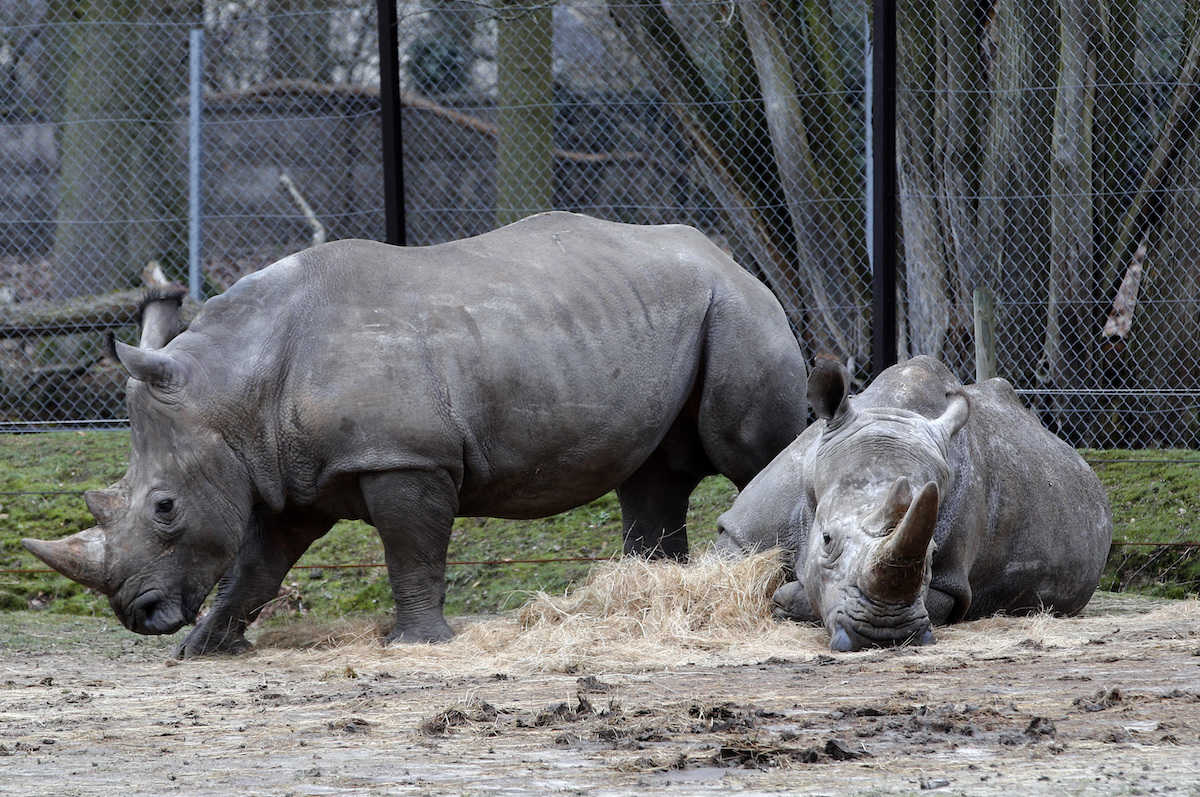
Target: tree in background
<point x="440" y="60"/>
<point x="118" y="207"/>
<point x="525" y="104"/>
<point x="768" y="113"/>
<point x="1036" y="155"/>
<point x="298" y="37"/>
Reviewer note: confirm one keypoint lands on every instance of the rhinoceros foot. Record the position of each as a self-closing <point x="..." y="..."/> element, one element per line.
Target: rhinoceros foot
<point x="203" y="642"/>
<point x="430" y="631"/>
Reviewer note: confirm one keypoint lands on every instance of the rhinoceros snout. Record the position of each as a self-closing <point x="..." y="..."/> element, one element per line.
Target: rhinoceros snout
<point x="153" y="613"/>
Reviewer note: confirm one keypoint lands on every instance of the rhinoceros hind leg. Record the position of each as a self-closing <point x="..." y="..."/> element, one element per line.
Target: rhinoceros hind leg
<point x="654" y="503"/>
<point x="267" y="553"/>
<point x="654" y="499"/>
<point x="413" y="511"/>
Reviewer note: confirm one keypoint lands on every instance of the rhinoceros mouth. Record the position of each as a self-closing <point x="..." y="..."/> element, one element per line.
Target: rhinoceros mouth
<point x="845" y="637"/>
<point x="881" y="626"/>
<point x="153" y="612"/>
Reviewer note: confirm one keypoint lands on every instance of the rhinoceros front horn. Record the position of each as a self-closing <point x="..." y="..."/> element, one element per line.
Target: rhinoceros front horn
<point x="79" y="557"/>
<point x="897" y="570"/>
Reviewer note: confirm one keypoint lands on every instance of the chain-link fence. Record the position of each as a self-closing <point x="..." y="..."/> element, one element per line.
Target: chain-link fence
<point x="208" y="138"/>
<point x="1047" y="160"/>
<point x="1049" y="154"/>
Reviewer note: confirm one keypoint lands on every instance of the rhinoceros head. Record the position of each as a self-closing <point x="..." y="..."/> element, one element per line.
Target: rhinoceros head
<point x="170" y="527"/>
<point x="874" y="483"/>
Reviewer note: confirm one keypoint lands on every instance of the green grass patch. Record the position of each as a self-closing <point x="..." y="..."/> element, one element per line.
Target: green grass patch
<point x="474" y="587"/>
<point x="1155" y="497"/>
<point x="40" y="479"/>
<point x="41" y="475"/>
<point x="69" y="462"/>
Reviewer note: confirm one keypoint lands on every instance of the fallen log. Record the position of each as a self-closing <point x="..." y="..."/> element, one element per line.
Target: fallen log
<point x="81" y="314"/>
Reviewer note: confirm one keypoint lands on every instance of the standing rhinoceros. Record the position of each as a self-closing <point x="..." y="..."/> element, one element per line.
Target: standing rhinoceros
<point x="921" y="501"/>
<point x="515" y="374"/>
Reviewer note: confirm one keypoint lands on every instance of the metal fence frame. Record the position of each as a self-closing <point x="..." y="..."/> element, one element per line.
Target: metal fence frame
<point x="390" y="107"/>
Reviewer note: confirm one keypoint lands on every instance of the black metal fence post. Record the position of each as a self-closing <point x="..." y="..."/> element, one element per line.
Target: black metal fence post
<point x="884" y="351"/>
<point x="392" y="131"/>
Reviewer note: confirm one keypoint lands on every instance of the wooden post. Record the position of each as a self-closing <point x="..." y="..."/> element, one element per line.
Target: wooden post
<point x="985" y="334"/>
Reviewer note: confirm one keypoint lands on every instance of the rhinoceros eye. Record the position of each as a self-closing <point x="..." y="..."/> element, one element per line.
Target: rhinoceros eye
<point x="164" y="506"/>
<point x="828" y="540"/>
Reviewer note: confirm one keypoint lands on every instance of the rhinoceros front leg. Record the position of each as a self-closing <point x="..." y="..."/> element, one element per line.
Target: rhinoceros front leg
<point x="413" y="511"/>
<point x="791" y="603"/>
<point x="941" y="607"/>
<point x="267" y="553"/>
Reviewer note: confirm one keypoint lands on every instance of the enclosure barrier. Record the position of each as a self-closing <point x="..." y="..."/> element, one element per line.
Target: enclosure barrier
<point x="1046" y="156"/>
<point x="1046" y="181"/>
<point x="1163" y="545"/>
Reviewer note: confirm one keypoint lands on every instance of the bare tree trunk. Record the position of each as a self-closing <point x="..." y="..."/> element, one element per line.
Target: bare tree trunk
<point x="1146" y="206"/>
<point x="823" y="257"/>
<point x="1069" y="345"/>
<point x="112" y="192"/>
<point x="959" y="136"/>
<point x="1014" y="215"/>
<point x="1166" y="325"/>
<point x="299" y="40"/>
<point x="90" y="252"/>
<point x="925" y="268"/>
<point x="830" y="117"/>
<point x="1116" y="141"/>
<point x="525" y="149"/>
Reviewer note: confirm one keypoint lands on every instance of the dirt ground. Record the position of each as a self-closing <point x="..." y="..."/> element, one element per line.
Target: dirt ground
<point x="1107" y="703"/>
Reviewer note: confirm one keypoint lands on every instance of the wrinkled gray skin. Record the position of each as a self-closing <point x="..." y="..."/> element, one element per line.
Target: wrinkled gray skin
<point x="922" y="502"/>
<point x="516" y="374"/>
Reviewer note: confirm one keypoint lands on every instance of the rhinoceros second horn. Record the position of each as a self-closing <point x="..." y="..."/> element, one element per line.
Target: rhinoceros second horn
<point x="104" y="504"/>
<point x="79" y="557"/>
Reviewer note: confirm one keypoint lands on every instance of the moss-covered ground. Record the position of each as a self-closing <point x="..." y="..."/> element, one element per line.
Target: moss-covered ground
<point x="1155" y="497"/>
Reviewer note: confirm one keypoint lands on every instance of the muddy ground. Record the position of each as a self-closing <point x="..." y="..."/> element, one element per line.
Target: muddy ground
<point x="1108" y="703"/>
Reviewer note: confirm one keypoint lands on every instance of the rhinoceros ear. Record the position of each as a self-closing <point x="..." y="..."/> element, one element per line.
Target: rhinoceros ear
<point x="958" y="410"/>
<point x="829" y="388"/>
<point x="151" y="366"/>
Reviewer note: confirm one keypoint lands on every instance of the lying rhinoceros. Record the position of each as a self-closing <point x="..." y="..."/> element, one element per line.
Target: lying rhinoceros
<point x="921" y="501"/>
<point x="515" y="374"/>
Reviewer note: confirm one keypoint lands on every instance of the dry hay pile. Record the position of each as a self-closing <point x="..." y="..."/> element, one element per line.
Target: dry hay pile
<point x="633" y="615"/>
<point x="630" y="614"/>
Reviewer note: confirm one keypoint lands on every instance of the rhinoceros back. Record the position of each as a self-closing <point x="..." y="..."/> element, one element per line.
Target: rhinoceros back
<point x="539" y="363"/>
<point x="1049" y="521"/>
